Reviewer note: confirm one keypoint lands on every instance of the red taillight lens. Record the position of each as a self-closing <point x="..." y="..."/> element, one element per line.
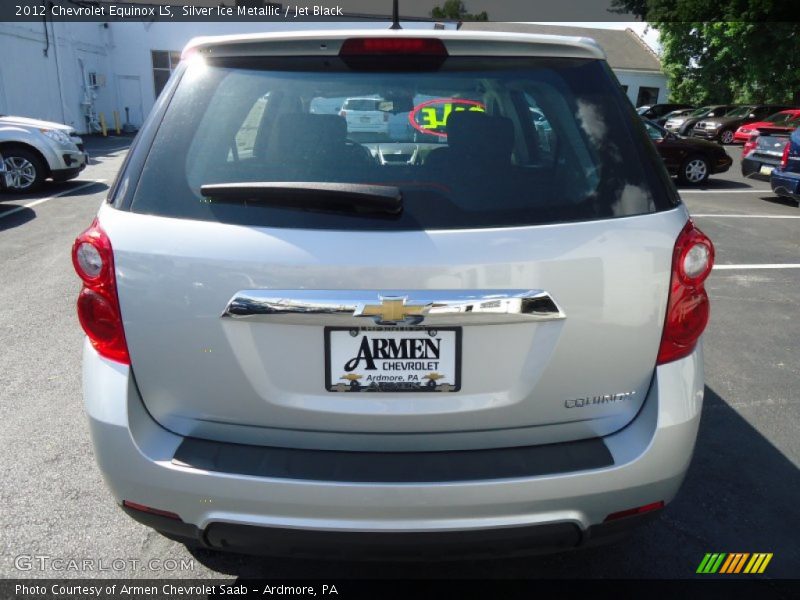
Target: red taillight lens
<point x="635" y="511"/>
<point x="687" y="306"/>
<point x="392" y="46"/>
<point x="785" y="156"/>
<point x="749" y="145"/>
<point x="98" y="304"/>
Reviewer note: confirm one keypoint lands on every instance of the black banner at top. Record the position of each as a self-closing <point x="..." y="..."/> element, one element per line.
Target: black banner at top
<point x="381" y="10"/>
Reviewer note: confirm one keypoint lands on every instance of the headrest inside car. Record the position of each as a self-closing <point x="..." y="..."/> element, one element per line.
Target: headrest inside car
<point x="300" y="132"/>
<point x="473" y="132"/>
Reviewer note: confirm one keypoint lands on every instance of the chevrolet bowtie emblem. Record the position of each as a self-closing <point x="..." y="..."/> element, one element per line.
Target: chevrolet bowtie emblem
<point x="393" y="311"/>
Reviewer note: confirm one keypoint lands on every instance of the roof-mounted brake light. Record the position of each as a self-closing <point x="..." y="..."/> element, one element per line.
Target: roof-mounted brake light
<point x="393" y="46"/>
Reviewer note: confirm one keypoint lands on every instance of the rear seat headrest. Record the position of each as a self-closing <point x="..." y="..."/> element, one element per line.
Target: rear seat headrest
<point x="301" y="133"/>
<point x="473" y="132"/>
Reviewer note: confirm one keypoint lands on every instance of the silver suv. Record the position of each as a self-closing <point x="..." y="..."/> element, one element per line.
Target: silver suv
<point x="36" y="150"/>
<point x="492" y="346"/>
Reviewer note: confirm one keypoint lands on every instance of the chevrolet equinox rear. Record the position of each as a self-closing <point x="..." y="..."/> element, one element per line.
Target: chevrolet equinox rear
<point x="304" y="341"/>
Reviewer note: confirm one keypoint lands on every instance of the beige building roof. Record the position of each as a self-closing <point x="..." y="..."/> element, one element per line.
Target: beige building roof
<point x="624" y="49"/>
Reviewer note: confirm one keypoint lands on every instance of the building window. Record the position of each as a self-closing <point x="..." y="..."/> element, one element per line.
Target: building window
<point x="164" y="63"/>
<point x="647" y="95"/>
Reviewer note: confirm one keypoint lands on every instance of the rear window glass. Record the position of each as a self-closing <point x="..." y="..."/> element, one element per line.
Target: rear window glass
<point x="476" y="143"/>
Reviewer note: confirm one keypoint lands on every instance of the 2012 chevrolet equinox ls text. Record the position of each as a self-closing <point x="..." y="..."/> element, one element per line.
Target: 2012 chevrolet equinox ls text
<point x="478" y="338"/>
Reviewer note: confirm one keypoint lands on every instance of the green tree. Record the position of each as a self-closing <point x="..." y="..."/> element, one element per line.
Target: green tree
<point x="455" y="10"/>
<point x="737" y="51"/>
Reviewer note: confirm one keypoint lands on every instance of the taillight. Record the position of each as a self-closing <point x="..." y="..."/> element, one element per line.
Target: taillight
<point x="343" y="113"/>
<point x="382" y="46"/>
<point x="687" y="306"/>
<point x="785" y="156"/>
<point x="98" y="303"/>
<point x="750" y="145"/>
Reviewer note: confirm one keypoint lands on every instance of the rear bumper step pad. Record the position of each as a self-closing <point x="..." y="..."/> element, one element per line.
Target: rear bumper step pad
<point x="393" y="467"/>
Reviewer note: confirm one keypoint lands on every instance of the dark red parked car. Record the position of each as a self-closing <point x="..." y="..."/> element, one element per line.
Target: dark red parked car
<point x="690" y="159"/>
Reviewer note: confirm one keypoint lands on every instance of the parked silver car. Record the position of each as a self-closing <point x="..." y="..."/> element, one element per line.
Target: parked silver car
<point x="496" y="347"/>
<point x="36" y="150"/>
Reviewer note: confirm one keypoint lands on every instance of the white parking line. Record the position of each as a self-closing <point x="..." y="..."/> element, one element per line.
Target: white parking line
<point x="764" y="266"/>
<point x="745" y="216"/>
<point x="42" y="200"/>
<point x="751" y="191"/>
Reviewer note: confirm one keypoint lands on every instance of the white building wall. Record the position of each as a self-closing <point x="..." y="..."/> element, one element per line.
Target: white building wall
<point x="636" y="79"/>
<point x="132" y="43"/>
<point x="55" y="87"/>
<point x="26" y="73"/>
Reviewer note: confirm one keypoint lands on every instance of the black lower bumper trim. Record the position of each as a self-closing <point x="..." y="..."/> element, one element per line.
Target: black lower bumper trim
<point x="67" y="174"/>
<point x="552" y="537"/>
<point x="393" y="467"/>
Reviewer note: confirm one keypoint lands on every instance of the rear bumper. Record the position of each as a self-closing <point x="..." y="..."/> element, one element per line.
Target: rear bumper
<point x="786" y="183"/>
<point x="475" y="543"/>
<point x="550" y="512"/>
<point x="751" y="167"/>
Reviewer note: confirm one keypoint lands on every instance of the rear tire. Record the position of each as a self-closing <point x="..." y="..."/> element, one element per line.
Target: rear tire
<point x="726" y="137"/>
<point x="694" y="170"/>
<point x="25" y="171"/>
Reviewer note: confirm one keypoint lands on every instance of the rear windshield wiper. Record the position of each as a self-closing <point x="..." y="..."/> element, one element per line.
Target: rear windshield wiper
<point x="340" y="197"/>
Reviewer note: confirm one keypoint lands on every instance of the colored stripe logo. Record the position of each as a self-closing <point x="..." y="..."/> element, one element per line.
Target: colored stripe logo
<point x="734" y="562"/>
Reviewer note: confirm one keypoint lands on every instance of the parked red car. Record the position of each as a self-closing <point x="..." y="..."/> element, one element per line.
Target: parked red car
<point x="785" y="118"/>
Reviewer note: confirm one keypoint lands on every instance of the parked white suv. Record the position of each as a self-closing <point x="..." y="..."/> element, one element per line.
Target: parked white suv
<point x="364" y="115"/>
<point x="494" y="347"/>
<point x="37" y="150"/>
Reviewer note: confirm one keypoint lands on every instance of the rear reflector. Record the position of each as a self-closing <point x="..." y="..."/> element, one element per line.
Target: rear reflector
<point x="151" y="510"/>
<point x="687" y="305"/>
<point x="393" y="46"/>
<point x="635" y="511"/>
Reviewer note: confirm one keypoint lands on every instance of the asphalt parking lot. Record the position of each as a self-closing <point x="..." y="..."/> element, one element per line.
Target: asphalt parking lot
<point x="740" y="495"/>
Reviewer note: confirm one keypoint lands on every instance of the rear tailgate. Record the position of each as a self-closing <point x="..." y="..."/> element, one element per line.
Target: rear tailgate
<point x="769" y="147"/>
<point x="578" y="230"/>
<point x="264" y="382"/>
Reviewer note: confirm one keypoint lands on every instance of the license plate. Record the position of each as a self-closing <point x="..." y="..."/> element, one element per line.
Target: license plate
<point x="766" y="170"/>
<point x="392" y="359"/>
<point x="365" y="119"/>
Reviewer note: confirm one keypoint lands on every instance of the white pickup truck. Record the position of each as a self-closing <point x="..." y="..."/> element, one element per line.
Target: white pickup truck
<point x="34" y="151"/>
